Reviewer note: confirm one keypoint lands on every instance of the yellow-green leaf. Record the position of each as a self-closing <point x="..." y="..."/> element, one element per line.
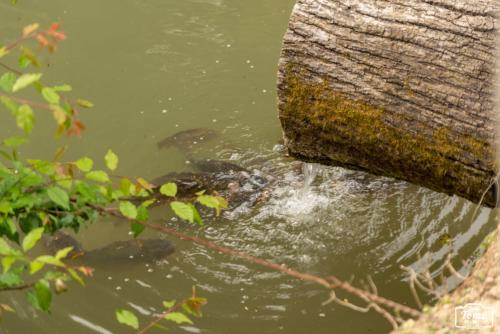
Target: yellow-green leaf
<point x="25" y="118"/>
<point x="111" y="160"/>
<point x="59" y="115"/>
<point x="169" y="189"/>
<point x="7" y="81"/>
<point x="62" y="88"/>
<point x="128" y="209"/>
<point x="183" y="211"/>
<point x="26" y="80"/>
<point x="32" y="238"/>
<point x="50" y="95"/>
<point x="85" y="164"/>
<point x="62" y="253"/>
<point x="36" y="266"/>
<point x="7" y="263"/>
<point x="127" y="318"/>
<point x="168" y="304"/>
<point x="84" y="103"/>
<point x="98" y="176"/>
<point x="59" y="196"/>
<point x="179" y="318"/>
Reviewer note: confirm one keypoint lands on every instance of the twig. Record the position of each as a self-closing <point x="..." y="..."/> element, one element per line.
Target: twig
<point x="28" y="102"/>
<point x="372" y="285"/>
<point x="7" y="67"/>
<point x="453" y="270"/>
<point x="330" y="283"/>
<point x="160" y="317"/>
<point x="19" y="287"/>
<point x="383" y="312"/>
<point x="414" y="291"/>
<point x="493" y="181"/>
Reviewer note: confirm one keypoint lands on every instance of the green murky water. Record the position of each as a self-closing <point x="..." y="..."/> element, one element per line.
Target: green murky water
<point x="156" y="67"/>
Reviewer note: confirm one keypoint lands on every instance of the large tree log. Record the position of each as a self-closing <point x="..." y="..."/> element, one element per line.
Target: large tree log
<point x="401" y="88"/>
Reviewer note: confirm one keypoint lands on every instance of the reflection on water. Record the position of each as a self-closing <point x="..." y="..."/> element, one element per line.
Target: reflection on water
<point x="164" y="66"/>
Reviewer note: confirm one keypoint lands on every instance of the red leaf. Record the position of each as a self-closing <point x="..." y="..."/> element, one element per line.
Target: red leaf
<point x="87" y="271"/>
<point x="54" y="27"/>
<point x="58" y="35"/>
<point x="42" y="40"/>
<point x="76" y="128"/>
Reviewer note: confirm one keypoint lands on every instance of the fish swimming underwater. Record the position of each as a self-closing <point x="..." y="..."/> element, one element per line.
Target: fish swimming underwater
<point x="186" y="138"/>
<point x="118" y="252"/>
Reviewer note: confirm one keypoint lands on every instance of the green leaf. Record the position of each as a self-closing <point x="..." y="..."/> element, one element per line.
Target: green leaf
<point x="58" y="196"/>
<point x="28" y="57"/>
<point x="85" y="164"/>
<point x="25" y="118"/>
<point x="24" y="61"/>
<point x="179" y="318"/>
<point x="44" y="167"/>
<point x="142" y="213"/>
<point x="127" y="318"/>
<point x="36" y="266"/>
<point x="137" y="229"/>
<point x="49" y="259"/>
<point x="98" y="176"/>
<point x="7" y="262"/>
<point x="196" y="215"/>
<point x="7" y="81"/>
<point x="50" y="95"/>
<point x="63" y="253"/>
<point x="5" y="249"/>
<point x="183" y="211"/>
<point x="128" y="209"/>
<point x="169" y="189"/>
<point x="84" y="103"/>
<point x="111" y="160"/>
<point x="32" y="238"/>
<point x="75" y="276"/>
<point x="43" y="294"/>
<point x="5" y="207"/>
<point x="14" y="141"/>
<point x="62" y="88"/>
<point x="10" y="278"/>
<point x="168" y="303"/>
<point x="208" y="201"/>
<point x="125" y="185"/>
<point x="215" y="202"/>
<point x="25" y="80"/>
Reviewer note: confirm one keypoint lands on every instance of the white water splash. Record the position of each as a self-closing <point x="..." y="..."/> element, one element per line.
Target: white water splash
<point x="296" y="195"/>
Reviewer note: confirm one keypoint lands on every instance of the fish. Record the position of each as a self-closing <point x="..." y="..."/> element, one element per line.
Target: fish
<point x="118" y="252"/>
<point x="187" y="138"/>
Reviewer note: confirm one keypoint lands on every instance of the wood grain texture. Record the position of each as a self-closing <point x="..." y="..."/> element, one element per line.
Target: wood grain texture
<point x="428" y="66"/>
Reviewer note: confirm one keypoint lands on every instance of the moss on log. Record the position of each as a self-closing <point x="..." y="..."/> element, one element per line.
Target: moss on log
<point x="397" y="88"/>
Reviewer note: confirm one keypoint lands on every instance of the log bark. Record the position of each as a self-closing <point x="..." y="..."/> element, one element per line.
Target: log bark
<point x="401" y="88"/>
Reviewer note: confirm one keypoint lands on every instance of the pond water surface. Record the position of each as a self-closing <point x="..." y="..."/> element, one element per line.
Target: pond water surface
<point x="160" y="66"/>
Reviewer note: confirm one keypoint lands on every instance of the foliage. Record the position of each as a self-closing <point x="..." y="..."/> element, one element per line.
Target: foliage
<point x="40" y="197"/>
<point x="176" y="312"/>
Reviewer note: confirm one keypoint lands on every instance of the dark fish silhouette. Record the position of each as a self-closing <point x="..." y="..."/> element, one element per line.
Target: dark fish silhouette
<point x="187" y="138"/>
<point x="118" y="252"/>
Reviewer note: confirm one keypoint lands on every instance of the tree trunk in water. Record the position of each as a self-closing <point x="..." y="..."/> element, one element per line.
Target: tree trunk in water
<point x="401" y="88"/>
